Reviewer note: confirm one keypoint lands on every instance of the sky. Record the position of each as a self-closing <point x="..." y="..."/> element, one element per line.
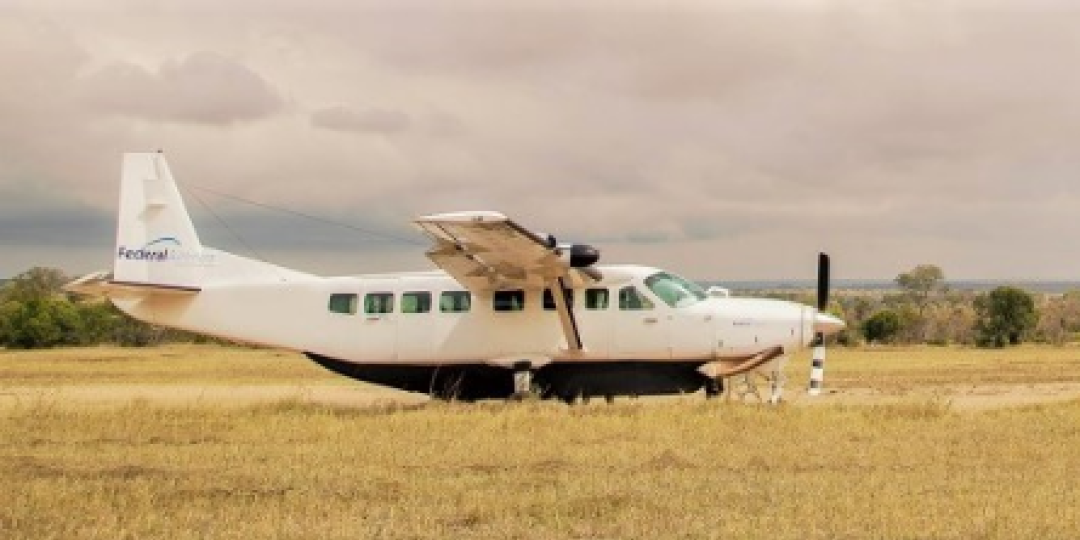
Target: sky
<point x="722" y="139"/>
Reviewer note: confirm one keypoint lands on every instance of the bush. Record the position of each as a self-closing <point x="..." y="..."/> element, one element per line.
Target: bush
<point x="882" y="326"/>
<point x="1006" y="317"/>
<point x="42" y="323"/>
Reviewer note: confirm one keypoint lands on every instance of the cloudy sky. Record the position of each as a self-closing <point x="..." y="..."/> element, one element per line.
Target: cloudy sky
<point x="724" y="139"/>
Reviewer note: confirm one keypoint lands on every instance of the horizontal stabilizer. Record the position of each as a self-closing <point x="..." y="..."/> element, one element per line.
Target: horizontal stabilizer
<point x="102" y="284"/>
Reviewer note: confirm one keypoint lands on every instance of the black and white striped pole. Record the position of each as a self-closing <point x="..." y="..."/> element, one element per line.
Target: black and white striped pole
<point x="817" y="366"/>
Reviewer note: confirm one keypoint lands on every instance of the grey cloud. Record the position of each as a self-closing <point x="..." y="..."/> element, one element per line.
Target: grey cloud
<point x="203" y="88"/>
<point x="744" y="135"/>
<point x="29" y="219"/>
<point x="380" y="121"/>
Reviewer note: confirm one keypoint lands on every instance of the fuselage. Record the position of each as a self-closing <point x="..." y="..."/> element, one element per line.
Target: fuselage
<point x="427" y="318"/>
<point x="479" y="326"/>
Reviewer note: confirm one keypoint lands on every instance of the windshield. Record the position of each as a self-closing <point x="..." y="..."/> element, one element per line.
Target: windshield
<point x="674" y="290"/>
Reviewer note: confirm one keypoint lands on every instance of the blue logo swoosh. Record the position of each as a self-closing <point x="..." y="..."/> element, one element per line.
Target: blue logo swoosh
<point x="162" y="240"/>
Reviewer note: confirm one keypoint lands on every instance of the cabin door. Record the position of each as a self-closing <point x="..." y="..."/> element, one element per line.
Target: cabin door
<point x="376" y="338"/>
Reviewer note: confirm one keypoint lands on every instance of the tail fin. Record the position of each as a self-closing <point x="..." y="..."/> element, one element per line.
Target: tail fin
<point x="156" y="243"/>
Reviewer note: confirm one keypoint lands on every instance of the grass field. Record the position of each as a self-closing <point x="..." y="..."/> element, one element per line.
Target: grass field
<point x="294" y="468"/>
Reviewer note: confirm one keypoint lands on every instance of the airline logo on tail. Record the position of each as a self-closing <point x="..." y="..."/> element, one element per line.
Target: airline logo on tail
<point x="164" y="249"/>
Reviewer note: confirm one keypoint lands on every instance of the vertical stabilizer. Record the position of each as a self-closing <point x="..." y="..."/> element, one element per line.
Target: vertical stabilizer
<point x="156" y="242"/>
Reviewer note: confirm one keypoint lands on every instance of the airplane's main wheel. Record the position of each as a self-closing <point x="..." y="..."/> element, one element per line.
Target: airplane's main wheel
<point x="714" y="387"/>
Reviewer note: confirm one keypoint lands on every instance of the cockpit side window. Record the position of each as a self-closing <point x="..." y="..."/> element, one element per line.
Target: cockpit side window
<point x="631" y="299"/>
<point x="674" y="290"/>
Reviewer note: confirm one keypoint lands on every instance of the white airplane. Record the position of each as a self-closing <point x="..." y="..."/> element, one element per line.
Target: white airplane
<point x="487" y="325"/>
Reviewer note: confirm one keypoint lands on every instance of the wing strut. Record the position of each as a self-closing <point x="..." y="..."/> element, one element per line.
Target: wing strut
<point x="566" y="315"/>
<point x="486" y="251"/>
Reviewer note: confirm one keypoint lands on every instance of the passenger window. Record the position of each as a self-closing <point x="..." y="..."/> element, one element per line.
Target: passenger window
<point x="455" y="301"/>
<point x="416" y="302"/>
<point x="343" y="303"/>
<point x="508" y="300"/>
<point x="549" y="300"/>
<point x="597" y="298"/>
<point x="630" y="298"/>
<point x="376" y="303"/>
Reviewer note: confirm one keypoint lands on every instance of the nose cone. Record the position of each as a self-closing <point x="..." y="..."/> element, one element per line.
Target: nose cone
<point x="827" y="324"/>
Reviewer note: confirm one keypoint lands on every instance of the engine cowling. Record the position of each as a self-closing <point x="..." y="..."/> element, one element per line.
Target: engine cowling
<point x="576" y="255"/>
<point x="580" y="255"/>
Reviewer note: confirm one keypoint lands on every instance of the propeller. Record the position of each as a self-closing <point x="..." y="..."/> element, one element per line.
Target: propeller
<point x="823" y="324"/>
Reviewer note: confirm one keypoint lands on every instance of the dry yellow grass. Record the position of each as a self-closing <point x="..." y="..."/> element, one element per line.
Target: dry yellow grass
<point x="845" y="368"/>
<point x="174" y="364"/>
<point x="908" y="366"/>
<point x="540" y="470"/>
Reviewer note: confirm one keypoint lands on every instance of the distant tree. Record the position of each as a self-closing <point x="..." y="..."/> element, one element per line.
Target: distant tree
<point x="34" y="284"/>
<point x="1006" y="315"/>
<point x="881" y="327"/>
<point x="9" y="309"/>
<point x="921" y="283"/>
<point x="950" y="322"/>
<point x="36" y="313"/>
<point x="1059" y="318"/>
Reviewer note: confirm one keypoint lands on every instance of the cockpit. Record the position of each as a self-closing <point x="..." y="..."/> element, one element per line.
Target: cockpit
<point x="675" y="291"/>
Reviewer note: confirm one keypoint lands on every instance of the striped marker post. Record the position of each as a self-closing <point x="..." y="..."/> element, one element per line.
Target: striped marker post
<point x="817" y="368"/>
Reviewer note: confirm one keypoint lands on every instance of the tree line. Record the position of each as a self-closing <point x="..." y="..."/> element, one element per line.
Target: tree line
<point x="923" y="309"/>
<point x="35" y="312"/>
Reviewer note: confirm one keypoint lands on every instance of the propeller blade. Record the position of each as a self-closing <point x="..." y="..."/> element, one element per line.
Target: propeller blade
<point x="824" y="324"/>
<point x="823" y="282"/>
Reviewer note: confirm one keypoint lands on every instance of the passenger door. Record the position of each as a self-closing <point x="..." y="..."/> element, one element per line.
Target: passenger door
<point x="376" y="339"/>
<point x="415" y="325"/>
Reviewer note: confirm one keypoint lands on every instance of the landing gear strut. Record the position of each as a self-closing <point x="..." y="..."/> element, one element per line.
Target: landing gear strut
<point x="777" y="381"/>
<point x="523" y="380"/>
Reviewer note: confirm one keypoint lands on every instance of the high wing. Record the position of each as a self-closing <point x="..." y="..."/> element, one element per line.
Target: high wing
<point x="486" y="251"/>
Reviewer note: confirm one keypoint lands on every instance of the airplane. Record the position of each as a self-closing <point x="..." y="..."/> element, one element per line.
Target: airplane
<point x="510" y="312"/>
